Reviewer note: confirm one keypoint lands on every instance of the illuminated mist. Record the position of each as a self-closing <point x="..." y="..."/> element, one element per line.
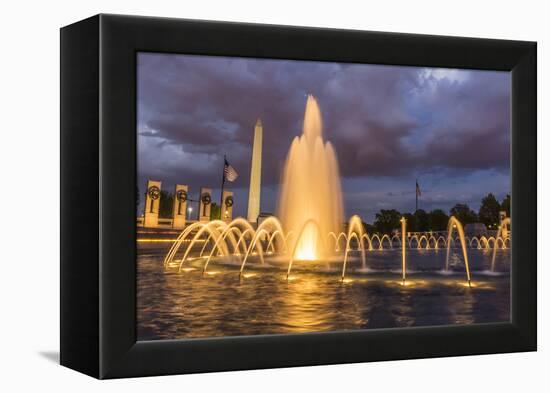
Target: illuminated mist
<point x="310" y="202"/>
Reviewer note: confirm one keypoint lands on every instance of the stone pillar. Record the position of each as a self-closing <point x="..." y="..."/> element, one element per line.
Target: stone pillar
<point x="205" y="204"/>
<point x="180" y="206"/>
<point x="152" y="204"/>
<point x="255" y="174"/>
<point x="227" y="206"/>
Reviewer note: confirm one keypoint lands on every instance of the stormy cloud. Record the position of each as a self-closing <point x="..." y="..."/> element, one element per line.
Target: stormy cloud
<point x="389" y="125"/>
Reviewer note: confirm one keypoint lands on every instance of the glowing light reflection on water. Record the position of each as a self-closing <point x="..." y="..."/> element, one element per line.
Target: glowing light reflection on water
<point x="219" y="303"/>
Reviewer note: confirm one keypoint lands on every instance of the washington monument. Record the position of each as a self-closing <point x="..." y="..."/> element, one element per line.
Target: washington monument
<point x="255" y="174"/>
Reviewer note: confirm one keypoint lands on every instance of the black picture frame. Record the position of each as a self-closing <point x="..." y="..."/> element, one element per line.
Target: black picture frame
<point x="98" y="191"/>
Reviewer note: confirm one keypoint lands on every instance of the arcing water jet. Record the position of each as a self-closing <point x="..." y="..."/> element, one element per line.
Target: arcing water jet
<point x="403" y="248"/>
<point x="455" y="224"/>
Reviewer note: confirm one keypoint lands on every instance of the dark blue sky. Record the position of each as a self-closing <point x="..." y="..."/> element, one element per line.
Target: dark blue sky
<point x="389" y="125"/>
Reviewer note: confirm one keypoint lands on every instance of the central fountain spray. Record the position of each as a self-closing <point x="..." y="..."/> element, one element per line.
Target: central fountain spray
<point x="310" y="202"/>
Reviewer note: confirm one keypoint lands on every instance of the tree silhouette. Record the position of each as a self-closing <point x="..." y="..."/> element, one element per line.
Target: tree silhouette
<point x="463" y="213"/>
<point x="422" y="220"/>
<point x="214" y="211"/>
<point x="411" y="222"/>
<point x="505" y="205"/>
<point x="166" y="204"/>
<point x="438" y="220"/>
<point x="488" y="212"/>
<point x="387" y="220"/>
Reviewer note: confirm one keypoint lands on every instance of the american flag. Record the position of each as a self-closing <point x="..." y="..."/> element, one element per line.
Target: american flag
<point x="418" y="193"/>
<point x="229" y="173"/>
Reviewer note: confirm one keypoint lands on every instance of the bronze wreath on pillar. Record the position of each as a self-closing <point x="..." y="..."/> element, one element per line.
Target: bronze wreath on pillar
<point x="181" y="195"/>
<point x="154" y="192"/>
<point x="229" y="201"/>
<point x="206" y="198"/>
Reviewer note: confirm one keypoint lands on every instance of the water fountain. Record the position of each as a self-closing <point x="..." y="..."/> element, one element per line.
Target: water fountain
<point x="239" y="239"/>
<point x="502" y="234"/>
<point x="308" y="226"/>
<point x="310" y="201"/>
<point x="355" y="231"/>
<point x="403" y="248"/>
<point x="455" y="224"/>
<point x="269" y="228"/>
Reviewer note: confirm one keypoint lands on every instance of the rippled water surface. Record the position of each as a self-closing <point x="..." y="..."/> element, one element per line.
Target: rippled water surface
<point x="189" y="304"/>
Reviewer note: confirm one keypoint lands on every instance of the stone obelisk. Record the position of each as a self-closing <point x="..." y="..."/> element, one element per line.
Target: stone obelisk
<point x="255" y="174"/>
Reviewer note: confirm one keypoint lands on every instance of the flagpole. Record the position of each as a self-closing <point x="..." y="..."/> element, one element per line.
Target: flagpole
<point x="223" y="183"/>
<point x="416" y="194"/>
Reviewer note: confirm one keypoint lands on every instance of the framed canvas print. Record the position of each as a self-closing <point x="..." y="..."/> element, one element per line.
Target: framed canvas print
<point x="239" y="196"/>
